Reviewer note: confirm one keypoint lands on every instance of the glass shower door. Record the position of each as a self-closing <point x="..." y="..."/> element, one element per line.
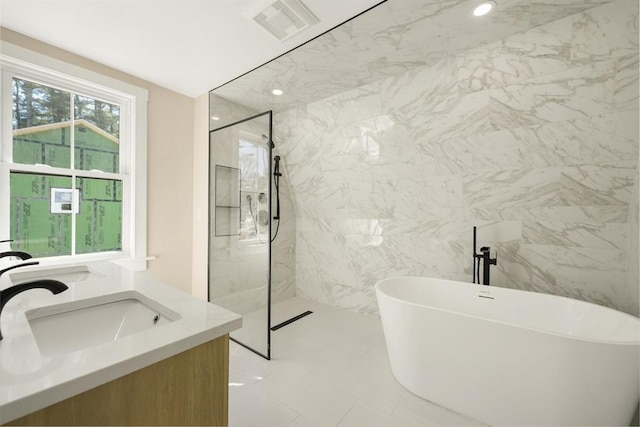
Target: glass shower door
<point x="239" y="227"/>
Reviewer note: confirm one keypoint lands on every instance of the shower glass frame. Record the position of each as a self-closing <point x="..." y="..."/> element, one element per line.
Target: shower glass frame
<point x="212" y="179"/>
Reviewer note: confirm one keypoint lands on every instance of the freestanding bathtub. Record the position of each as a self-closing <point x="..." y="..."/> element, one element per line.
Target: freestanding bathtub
<point x="507" y="357"/>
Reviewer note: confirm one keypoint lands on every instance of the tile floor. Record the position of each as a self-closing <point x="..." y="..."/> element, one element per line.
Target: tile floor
<point x="327" y="369"/>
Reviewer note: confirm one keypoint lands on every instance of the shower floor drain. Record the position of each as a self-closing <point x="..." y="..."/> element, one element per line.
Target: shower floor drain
<point x="288" y="322"/>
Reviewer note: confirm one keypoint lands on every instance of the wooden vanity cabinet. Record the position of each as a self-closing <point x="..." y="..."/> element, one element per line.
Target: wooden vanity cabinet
<point x="190" y="388"/>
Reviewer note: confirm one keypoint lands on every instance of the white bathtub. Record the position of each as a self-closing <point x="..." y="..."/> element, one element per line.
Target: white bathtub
<point x="509" y="357"/>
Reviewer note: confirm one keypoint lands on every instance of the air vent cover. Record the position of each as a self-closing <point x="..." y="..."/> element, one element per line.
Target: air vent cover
<point x="285" y="18"/>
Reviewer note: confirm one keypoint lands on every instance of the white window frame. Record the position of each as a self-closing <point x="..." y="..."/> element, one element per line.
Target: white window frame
<point x="21" y="63"/>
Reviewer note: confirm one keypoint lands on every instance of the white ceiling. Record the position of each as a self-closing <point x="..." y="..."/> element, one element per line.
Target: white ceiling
<point x="189" y="46"/>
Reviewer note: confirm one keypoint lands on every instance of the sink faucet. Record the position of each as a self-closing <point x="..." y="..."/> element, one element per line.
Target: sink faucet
<point x="52" y="285"/>
<point x="24" y="264"/>
<point x="17" y="254"/>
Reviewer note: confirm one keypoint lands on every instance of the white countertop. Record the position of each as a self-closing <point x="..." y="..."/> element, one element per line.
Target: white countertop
<point x="30" y="381"/>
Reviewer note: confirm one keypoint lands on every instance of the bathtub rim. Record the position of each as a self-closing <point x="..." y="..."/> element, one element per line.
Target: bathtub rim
<point x="539" y="330"/>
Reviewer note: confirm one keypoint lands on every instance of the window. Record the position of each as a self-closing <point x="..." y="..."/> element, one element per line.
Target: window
<point x="73" y="164"/>
<point x="254" y="192"/>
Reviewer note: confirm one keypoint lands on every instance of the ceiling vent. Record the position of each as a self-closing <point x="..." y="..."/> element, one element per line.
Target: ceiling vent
<point x="286" y="18"/>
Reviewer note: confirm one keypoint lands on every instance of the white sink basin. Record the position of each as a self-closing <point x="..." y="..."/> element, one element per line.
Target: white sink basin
<point x="76" y="273"/>
<point x="69" y="327"/>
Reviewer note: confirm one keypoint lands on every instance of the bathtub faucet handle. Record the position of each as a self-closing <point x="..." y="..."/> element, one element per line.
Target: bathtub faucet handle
<point x="494" y="260"/>
<point x="486" y="254"/>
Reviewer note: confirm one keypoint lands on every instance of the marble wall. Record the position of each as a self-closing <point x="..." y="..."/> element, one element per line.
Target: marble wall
<point x="534" y="139"/>
<point x="392" y="38"/>
<point x="283" y="232"/>
<point x="633" y="254"/>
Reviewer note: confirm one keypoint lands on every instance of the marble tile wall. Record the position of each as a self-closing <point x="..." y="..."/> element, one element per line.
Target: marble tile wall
<point x="283" y="246"/>
<point x="533" y="138"/>
<point x="633" y="253"/>
<point x="392" y="38"/>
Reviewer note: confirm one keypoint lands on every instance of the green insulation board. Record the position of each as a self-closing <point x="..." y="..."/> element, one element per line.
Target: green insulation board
<point x="99" y="222"/>
<point x="51" y="147"/>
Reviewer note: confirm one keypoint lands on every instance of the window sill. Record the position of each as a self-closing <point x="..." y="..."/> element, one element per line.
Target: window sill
<point x="132" y="264"/>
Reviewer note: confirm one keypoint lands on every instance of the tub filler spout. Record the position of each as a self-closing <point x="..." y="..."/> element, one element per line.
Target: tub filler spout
<point x="487" y="262"/>
<point x="485" y="257"/>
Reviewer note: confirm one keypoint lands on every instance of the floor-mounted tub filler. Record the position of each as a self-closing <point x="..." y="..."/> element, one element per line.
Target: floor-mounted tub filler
<point x="508" y="357"/>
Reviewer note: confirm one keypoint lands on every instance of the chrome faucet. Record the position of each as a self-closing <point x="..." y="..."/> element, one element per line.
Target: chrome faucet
<point x="52" y="285"/>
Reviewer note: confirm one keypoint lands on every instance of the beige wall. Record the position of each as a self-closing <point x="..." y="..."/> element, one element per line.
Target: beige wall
<point x="201" y="197"/>
<point x="169" y="193"/>
<point x="170" y="131"/>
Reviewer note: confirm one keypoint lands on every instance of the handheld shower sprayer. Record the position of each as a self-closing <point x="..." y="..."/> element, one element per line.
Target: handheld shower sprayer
<point x="276" y="181"/>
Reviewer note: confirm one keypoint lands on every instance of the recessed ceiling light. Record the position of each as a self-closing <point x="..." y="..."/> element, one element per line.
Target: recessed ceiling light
<point x="215" y="118"/>
<point x="277" y="92"/>
<point x="484" y="8"/>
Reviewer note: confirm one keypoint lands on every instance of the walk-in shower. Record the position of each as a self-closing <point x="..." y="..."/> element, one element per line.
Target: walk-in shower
<point x="240" y="236"/>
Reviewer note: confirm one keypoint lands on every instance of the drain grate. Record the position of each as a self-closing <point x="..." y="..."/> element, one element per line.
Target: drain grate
<point x="293" y="319"/>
